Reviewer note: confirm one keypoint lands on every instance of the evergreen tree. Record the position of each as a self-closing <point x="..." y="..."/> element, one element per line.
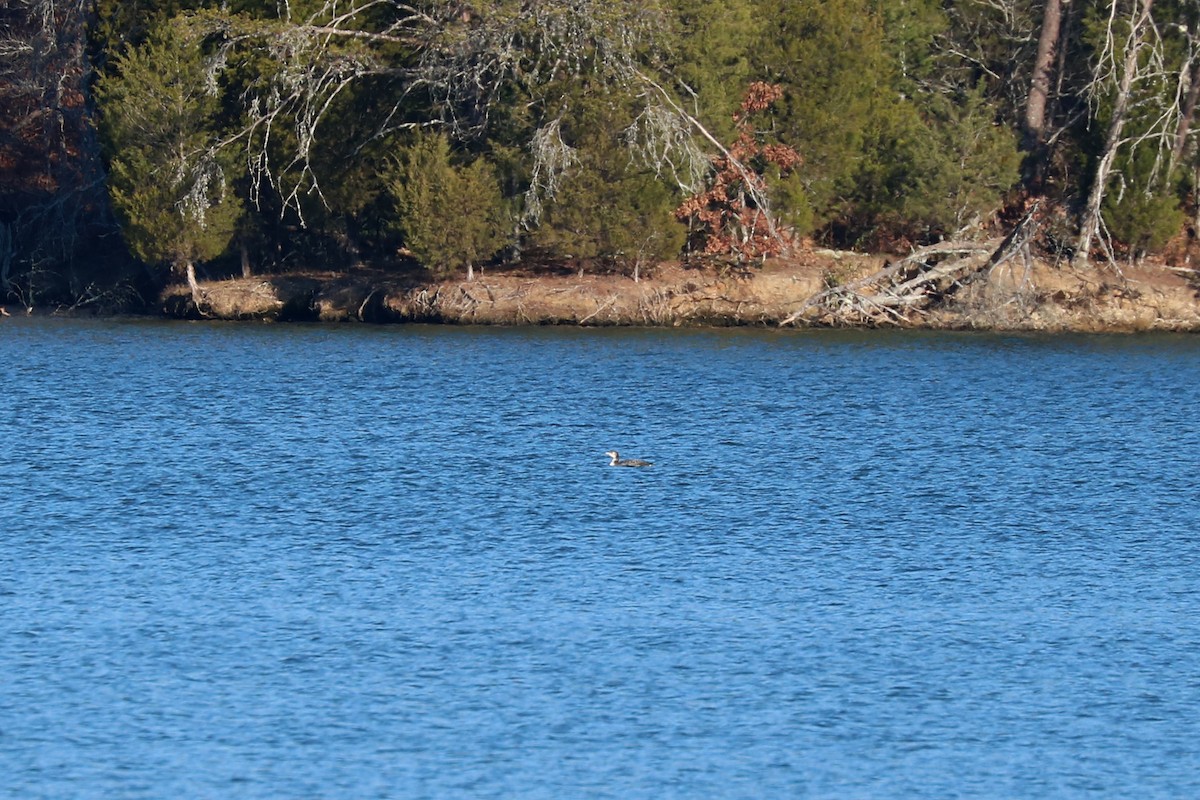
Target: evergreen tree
<point x="837" y="77"/>
<point x="169" y="180"/>
<point x="925" y="177"/>
<point x="123" y="24"/>
<point x="610" y="209"/>
<point x="450" y="216"/>
<point x="890" y="153"/>
<point x="600" y="116"/>
<point x="1140" y="216"/>
<point x="712" y="57"/>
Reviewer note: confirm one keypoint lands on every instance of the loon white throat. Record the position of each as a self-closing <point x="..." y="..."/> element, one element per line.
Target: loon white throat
<point x="617" y="461"/>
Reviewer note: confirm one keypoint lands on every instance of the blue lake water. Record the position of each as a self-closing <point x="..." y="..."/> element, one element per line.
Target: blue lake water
<point x="243" y="561"/>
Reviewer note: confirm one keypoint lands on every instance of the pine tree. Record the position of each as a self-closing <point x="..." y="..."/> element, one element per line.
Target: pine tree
<point x="450" y="216"/>
<point x="169" y="181"/>
<point x="712" y="57"/>
<point x="610" y="209"/>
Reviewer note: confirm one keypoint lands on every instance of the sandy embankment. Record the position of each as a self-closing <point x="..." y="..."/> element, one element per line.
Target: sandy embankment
<point x="1014" y="296"/>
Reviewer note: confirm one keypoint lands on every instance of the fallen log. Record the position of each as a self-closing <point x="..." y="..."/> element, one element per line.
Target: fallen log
<point x="901" y="284"/>
<point x="915" y="283"/>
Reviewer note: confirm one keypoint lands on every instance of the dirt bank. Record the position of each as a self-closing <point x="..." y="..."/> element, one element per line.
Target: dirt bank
<point x="1017" y="295"/>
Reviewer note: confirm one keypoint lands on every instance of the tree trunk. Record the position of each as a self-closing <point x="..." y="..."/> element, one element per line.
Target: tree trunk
<point x="470" y="271"/>
<point x="245" y="261"/>
<point x="1089" y="227"/>
<point x="1039" y="89"/>
<point x="189" y="270"/>
<point x="1196" y="218"/>
<point x="1185" y="119"/>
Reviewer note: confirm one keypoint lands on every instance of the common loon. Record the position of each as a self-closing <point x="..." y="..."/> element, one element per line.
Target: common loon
<point x="617" y="461"/>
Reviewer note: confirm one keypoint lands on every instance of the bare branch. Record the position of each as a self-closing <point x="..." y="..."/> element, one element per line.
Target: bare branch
<point x="761" y="201"/>
<point x="552" y="157"/>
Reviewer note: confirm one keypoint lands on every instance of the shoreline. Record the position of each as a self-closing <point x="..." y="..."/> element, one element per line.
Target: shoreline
<point x="1030" y="296"/>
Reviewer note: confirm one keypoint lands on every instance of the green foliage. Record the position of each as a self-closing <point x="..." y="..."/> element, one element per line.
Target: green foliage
<point x="1143" y="222"/>
<point x="619" y="222"/>
<point x="124" y="24"/>
<point x="976" y="163"/>
<point x="168" y="181"/>
<point x="904" y="112"/>
<point x="928" y="177"/>
<point x="910" y="30"/>
<point x="712" y="56"/>
<point x="450" y="216"/>
<point x="789" y="198"/>
<point x="877" y="163"/>
<point x="893" y="181"/>
<point x="1141" y="219"/>
<point x="832" y="60"/>
<point x="609" y="209"/>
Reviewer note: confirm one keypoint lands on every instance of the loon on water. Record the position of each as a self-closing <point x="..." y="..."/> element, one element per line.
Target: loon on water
<point x="617" y="461"/>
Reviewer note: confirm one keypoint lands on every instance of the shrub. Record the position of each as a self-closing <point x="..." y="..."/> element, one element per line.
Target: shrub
<point x="450" y="216"/>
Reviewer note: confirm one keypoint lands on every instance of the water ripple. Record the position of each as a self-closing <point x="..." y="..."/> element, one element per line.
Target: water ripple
<point x="313" y="562"/>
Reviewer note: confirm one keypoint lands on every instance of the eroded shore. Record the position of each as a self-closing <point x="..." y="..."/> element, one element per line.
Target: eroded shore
<point x="1020" y="295"/>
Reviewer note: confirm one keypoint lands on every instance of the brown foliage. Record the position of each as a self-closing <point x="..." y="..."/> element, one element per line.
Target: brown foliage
<point x="725" y="218"/>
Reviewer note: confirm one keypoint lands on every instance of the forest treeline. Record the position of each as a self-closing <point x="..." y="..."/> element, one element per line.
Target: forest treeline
<point x="268" y="135"/>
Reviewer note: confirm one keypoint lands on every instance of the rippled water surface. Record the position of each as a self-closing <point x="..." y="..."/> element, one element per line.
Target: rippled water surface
<point x="325" y="562"/>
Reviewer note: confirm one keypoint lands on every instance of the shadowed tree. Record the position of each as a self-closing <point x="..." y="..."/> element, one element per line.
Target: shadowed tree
<point x="54" y="213"/>
<point x="1043" y="72"/>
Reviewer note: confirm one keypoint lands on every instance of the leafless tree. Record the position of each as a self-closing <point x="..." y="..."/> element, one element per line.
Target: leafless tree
<point x="1130" y="56"/>
<point x="1189" y="73"/>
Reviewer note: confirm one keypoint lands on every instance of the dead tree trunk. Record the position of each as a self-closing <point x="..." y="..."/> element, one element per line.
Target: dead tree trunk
<point x="889" y="296"/>
<point x="914" y="284"/>
<point x="1089" y="227"/>
<point x="1185" y="118"/>
<point x="188" y="268"/>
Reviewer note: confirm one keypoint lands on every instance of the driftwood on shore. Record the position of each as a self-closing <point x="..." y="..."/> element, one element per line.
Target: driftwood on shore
<point x="994" y="285"/>
<point x="913" y="284"/>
